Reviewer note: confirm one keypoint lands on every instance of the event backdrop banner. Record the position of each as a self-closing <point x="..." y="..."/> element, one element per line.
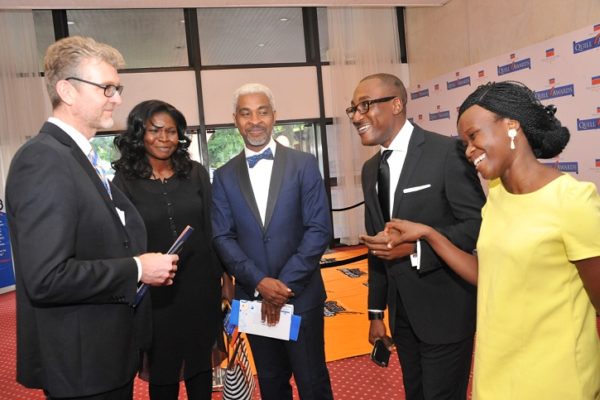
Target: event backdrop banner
<point x="7" y="276"/>
<point x="564" y="71"/>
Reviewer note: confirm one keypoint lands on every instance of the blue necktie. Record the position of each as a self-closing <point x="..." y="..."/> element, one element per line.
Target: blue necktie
<point x="265" y="155"/>
<point x="93" y="156"/>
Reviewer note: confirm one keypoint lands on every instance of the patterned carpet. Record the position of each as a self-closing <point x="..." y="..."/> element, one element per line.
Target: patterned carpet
<point x="352" y="378"/>
<point x="353" y="375"/>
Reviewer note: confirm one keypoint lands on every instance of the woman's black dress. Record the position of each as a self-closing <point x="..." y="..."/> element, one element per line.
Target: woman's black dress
<point x="186" y="315"/>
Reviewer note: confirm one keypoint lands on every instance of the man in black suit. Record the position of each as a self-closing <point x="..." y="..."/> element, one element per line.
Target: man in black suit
<point x="77" y="240"/>
<point x="421" y="176"/>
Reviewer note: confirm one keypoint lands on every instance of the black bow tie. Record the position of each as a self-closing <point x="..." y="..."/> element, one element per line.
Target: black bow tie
<point x="265" y="155"/>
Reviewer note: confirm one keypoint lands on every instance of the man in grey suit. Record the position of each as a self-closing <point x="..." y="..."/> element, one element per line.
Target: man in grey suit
<point x="421" y="176"/>
<point x="77" y="240"/>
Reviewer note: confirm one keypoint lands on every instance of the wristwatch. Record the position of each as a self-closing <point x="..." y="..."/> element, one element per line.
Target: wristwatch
<point x="374" y="315"/>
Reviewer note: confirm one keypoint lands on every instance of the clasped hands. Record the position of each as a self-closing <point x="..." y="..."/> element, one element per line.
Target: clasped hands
<point x="275" y="295"/>
<point x="397" y="239"/>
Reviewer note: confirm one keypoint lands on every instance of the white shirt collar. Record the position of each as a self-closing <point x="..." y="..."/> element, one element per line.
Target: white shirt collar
<point x="83" y="143"/>
<point x="270" y="145"/>
<point x="400" y="142"/>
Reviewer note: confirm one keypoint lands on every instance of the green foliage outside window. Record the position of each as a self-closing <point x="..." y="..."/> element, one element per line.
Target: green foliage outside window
<point x="107" y="152"/>
<point x="226" y="143"/>
<point x="223" y="145"/>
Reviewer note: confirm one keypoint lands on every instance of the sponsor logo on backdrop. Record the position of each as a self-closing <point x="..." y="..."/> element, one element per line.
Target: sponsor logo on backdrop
<point x="550" y="55"/>
<point x="595" y="168"/>
<point x="458" y="82"/>
<point x="514" y="65"/>
<point x="481" y="73"/>
<point x="439" y="114"/>
<point x="569" y="166"/>
<point x="593" y="42"/>
<point x="595" y="84"/>
<point x="436" y="87"/>
<point x="588" y="124"/>
<point x="419" y="93"/>
<point x="555" y="91"/>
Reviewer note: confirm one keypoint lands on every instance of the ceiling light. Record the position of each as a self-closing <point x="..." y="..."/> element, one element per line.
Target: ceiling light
<point x="261" y="45"/>
<point x="70" y="22"/>
<point x="284" y="19"/>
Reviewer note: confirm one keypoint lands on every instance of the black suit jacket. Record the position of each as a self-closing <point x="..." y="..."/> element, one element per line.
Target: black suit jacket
<point x="437" y="187"/>
<point x="77" y="334"/>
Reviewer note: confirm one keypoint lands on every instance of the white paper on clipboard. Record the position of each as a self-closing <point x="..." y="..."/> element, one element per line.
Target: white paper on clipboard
<point x="250" y="321"/>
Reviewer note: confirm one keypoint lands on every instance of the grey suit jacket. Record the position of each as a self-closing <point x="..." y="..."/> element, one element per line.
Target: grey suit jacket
<point x="77" y="334"/>
<point x="437" y="187"/>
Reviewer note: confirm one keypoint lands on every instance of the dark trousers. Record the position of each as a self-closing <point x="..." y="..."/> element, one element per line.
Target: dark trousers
<point x="431" y="371"/>
<point x="122" y="393"/>
<point x="198" y="387"/>
<point x="276" y="361"/>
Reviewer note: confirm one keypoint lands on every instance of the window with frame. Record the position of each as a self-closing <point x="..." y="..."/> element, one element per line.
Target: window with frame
<point x="239" y="36"/>
<point x="147" y="38"/>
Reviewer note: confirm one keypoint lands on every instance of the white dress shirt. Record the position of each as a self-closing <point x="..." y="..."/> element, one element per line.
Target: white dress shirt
<point x="399" y="147"/>
<point x="83" y="142"/>
<point x="260" y="178"/>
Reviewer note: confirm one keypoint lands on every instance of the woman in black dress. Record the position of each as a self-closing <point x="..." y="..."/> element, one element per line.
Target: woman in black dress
<point x="171" y="191"/>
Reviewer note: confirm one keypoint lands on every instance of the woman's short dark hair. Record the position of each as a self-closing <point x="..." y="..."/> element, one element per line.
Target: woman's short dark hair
<point x="544" y="132"/>
<point x="133" y="162"/>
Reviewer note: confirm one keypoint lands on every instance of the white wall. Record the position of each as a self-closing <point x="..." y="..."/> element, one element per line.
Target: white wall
<point x="465" y="32"/>
<point x="294" y="88"/>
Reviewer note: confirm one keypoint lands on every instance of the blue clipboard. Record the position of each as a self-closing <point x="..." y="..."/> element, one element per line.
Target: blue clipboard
<point x="175" y="248"/>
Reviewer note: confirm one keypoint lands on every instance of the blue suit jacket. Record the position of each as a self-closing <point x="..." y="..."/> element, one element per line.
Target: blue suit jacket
<point x="296" y="232"/>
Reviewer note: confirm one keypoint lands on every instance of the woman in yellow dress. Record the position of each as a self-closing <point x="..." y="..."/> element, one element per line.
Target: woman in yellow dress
<point x="537" y="265"/>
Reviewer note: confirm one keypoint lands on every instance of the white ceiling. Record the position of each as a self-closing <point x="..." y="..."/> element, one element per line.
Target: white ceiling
<point x="108" y="4"/>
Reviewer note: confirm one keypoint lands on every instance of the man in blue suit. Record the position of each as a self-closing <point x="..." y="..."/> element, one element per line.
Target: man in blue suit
<point x="271" y="225"/>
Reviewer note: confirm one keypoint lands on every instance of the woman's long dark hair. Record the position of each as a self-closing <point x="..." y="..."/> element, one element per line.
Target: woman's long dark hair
<point x="509" y="99"/>
<point x="133" y="162"/>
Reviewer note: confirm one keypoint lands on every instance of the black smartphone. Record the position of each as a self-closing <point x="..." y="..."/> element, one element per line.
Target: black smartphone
<point x="381" y="353"/>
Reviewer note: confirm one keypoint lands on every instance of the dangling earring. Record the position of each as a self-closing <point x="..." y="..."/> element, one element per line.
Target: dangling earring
<point x="512" y="133"/>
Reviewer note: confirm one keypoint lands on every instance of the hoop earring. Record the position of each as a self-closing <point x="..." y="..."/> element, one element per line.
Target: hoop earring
<point x="512" y="133"/>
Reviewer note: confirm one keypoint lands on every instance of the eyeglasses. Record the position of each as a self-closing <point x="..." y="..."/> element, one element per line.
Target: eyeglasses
<point x="363" y="106"/>
<point x="109" y="90"/>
